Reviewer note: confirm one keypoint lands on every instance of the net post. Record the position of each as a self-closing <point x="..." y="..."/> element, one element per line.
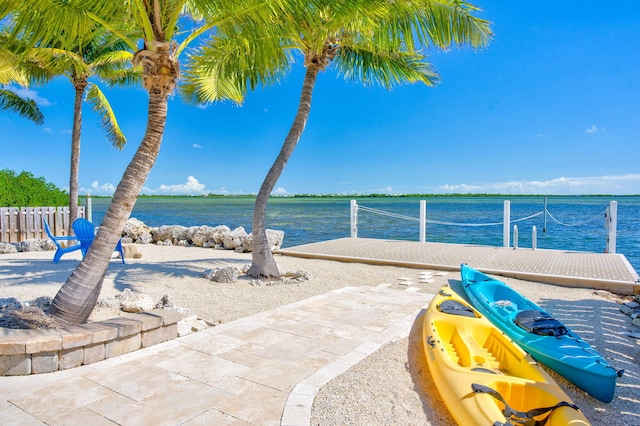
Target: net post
<point x="506" y="229"/>
<point x="534" y="238"/>
<point x="88" y="213"/>
<point x="611" y="223"/>
<point x="354" y="219"/>
<point x="423" y="220"/>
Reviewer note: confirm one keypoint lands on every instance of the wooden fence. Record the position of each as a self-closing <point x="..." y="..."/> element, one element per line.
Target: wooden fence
<point x="24" y="223"/>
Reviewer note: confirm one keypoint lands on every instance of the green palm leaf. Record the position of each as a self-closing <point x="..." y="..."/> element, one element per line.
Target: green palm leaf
<point x="228" y="66"/>
<point x="388" y="69"/>
<point x="100" y="105"/>
<point x="27" y="108"/>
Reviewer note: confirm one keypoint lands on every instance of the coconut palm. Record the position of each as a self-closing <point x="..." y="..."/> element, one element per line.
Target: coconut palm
<point x="368" y="41"/>
<point x="101" y="55"/>
<point x="156" y="25"/>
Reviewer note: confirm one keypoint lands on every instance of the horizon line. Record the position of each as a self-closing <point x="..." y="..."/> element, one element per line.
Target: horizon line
<point x="375" y="195"/>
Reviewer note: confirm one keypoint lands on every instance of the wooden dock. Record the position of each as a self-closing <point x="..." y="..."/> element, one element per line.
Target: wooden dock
<point x="604" y="271"/>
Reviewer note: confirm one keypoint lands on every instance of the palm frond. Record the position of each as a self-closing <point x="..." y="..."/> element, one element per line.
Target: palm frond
<point x="58" y="61"/>
<point x="122" y="77"/>
<point x="10" y="73"/>
<point x="13" y="67"/>
<point x="27" y="108"/>
<point x="49" y="22"/>
<point x="117" y="58"/>
<point x="113" y="28"/>
<point x="439" y="23"/>
<point x="388" y="69"/>
<point x="226" y="67"/>
<point x="101" y="106"/>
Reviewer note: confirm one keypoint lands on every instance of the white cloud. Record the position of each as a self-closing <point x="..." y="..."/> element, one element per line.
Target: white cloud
<point x="279" y="191"/>
<point x="385" y="190"/>
<point x="594" y="129"/>
<point x="195" y="145"/>
<point x="31" y="94"/>
<point x="191" y="187"/>
<point x="615" y="185"/>
<point x="462" y="188"/>
<point x="98" y="189"/>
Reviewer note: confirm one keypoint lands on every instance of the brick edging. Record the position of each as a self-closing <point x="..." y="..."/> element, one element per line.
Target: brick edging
<point x="46" y="350"/>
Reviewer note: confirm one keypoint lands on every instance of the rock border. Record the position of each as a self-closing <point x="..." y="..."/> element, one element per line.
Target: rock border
<point x="135" y="231"/>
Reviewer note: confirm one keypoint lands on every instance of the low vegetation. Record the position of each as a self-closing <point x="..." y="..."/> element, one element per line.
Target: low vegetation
<point x="26" y="190"/>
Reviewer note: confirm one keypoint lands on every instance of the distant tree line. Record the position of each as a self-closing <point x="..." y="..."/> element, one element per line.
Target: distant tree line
<point x="26" y="190"/>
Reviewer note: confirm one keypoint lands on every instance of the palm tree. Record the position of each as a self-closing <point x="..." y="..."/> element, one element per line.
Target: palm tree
<point x="102" y="55"/>
<point x="367" y="41"/>
<point x="155" y="24"/>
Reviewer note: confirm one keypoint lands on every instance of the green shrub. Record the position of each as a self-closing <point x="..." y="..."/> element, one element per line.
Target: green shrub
<point x="25" y="190"/>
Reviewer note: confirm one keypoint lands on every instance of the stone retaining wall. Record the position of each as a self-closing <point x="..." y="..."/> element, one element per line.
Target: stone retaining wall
<point x="46" y="350"/>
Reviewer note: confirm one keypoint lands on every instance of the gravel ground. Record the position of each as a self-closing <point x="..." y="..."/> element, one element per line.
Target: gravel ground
<point x="393" y="385"/>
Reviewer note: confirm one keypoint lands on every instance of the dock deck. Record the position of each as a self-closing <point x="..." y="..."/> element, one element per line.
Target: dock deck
<point x="606" y="271"/>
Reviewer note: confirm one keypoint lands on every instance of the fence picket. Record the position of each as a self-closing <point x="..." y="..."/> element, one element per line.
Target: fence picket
<point x="19" y="224"/>
<point x="13" y="224"/>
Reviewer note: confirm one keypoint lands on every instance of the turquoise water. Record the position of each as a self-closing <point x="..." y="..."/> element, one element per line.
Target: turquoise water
<point x="311" y="219"/>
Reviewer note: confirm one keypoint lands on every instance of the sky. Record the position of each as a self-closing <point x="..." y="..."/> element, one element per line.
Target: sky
<point x="551" y="106"/>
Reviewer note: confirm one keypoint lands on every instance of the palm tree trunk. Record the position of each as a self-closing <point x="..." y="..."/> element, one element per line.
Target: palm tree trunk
<point x="76" y="299"/>
<point x="263" y="263"/>
<point x="80" y="85"/>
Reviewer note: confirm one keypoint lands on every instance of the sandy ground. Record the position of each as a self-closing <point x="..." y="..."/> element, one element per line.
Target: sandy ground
<point x="392" y="386"/>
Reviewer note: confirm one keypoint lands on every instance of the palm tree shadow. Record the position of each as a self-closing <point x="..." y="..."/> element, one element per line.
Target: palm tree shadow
<point x="434" y="407"/>
<point x="130" y="273"/>
<point x="43" y="272"/>
<point x="35" y="271"/>
<point x="604" y="326"/>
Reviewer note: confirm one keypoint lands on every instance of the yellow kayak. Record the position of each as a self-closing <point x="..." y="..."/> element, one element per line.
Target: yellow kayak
<point x="483" y="377"/>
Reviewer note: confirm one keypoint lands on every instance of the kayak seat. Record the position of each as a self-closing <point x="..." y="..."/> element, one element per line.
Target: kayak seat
<point x="453" y="307"/>
<point x="539" y="322"/>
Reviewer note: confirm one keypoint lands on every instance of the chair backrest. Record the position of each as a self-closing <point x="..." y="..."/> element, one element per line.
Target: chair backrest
<point x="85" y="232"/>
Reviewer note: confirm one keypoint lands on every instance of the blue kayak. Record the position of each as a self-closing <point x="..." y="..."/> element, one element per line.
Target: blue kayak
<point x="537" y="332"/>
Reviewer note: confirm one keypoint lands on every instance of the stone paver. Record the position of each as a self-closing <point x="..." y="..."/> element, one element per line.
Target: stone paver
<point x="263" y="369"/>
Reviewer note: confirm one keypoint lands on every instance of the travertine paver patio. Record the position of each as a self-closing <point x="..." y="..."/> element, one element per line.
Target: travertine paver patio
<point x="262" y="369"/>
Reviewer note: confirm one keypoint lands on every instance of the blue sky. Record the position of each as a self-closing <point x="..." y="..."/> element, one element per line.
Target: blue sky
<point x="552" y="106"/>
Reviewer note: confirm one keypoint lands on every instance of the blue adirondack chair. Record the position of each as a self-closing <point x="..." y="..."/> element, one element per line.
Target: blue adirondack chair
<point x="86" y="232"/>
<point x="57" y="239"/>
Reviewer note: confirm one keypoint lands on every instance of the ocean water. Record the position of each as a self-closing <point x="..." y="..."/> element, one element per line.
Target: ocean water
<point x="571" y="223"/>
